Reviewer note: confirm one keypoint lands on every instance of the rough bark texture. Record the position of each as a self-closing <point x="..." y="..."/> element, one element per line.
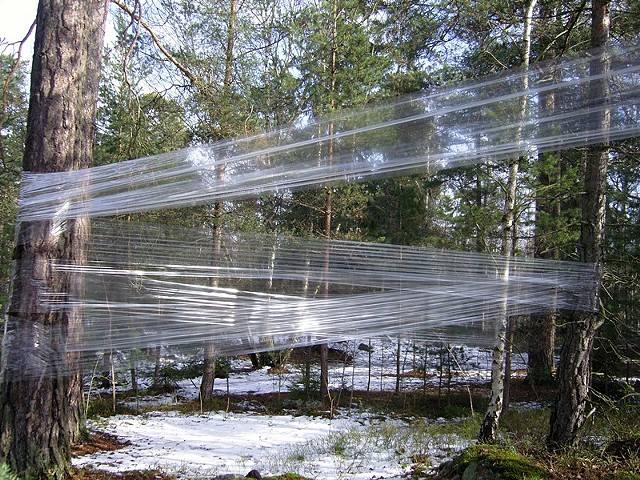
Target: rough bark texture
<point x="489" y="427"/>
<point x="573" y="380"/>
<point x="574" y="368"/>
<point x="40" y="402"/>
<point x="209" y="371"/>
<point x="541" y="340"/>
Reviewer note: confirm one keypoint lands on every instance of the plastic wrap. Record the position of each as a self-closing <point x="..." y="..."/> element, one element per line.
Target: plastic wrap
<point x="147" y="285"/>
<point x="458" y="126"/>
<point x="150" y="286"/>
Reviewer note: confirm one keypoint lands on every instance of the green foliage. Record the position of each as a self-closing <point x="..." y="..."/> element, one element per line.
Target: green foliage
<point x="494" y="462"/>
<point x="304" y="212"/>
<point x="556" y="181"/>
<point x="6" y="473"/>
<point x="223" y="367"/>
<point x="395" y="211"/>
<point x="306" y="387"/>
<point x="469" y="209"/>
<point x="102" y="407"/>
<point x="339" y="66"/>
<point x="13" y="118"/>
<point x="614" y="421"/>
<point x="619" y="336"/>
<point x="525" y="429"/>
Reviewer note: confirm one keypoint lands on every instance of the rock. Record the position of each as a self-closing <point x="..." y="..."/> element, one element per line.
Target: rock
<point x="254" y="474"/>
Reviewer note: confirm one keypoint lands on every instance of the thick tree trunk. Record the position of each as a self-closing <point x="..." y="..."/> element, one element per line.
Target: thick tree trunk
<point x="209" y="371"/>
<point x="41" y="403"/>
<point x="573" y="378"/>
<point x="574" y="369"/>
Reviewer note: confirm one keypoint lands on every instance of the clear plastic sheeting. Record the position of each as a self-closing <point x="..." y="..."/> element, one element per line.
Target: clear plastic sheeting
<point x="150" y="285"/>
<point x="491" y="119"/>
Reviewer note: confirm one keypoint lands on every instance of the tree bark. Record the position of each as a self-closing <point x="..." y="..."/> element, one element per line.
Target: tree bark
<point x="324" y="348"/>
<point x="209" y="371"/>
<point x="574" y="369"/>
<point x="489" y="427"/>
<point x="541" y="340"/>
<point x="41" y="403"/>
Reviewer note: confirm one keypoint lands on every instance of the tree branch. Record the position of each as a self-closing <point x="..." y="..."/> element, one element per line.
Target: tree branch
<point x="185" y="71"/>
<point x="7" y="82"/>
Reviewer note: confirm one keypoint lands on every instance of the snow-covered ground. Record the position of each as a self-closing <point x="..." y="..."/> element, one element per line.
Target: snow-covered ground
<point x="352" y="445"/>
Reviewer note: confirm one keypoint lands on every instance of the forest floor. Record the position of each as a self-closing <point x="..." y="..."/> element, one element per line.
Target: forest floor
<point x="523" y="429"/>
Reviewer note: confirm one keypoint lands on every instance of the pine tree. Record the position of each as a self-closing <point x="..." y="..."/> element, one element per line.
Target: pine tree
<point x="42" y="406"/>
<point x="13" y="117"/>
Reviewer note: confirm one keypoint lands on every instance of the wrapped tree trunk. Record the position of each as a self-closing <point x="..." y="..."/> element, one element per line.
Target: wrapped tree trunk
<point x="209" y="372"/>
<point x="41" y="384"/>
<point x="489" y="427"/>
<point x="574" y="369"/>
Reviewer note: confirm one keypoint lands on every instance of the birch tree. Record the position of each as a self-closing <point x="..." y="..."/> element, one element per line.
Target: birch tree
<point x="489" y="427"/>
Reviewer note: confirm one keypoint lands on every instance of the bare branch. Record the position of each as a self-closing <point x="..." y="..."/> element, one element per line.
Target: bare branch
<point x="7" y="82"/>
<point x="185" y="71"/>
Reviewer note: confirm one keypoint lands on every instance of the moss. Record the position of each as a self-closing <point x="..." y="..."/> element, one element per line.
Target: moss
<point x="494" y="462"/>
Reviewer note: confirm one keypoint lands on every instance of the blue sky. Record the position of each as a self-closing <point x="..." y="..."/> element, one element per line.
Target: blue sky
<point x="16" y="18"/>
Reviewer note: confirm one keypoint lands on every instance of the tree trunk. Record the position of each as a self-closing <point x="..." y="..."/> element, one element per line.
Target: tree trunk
<point x="489" y="427"/>
<point x="324" y="348"/>
<point x="574" y="369"/>
<point x="41" y="401"/>
<point x="541" y="327"/>
<point x="324" y="373"/>
<point x="209" y="372"/>
<point x="398" y="366"/>
<point x="511" y="331"/>
<point x="541" y="340"/>
<point x="573" y="378"/>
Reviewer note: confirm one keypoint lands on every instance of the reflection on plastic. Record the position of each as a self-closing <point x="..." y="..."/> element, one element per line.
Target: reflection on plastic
<point x="463" y="125"/>
<point x="148" y="285"/>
